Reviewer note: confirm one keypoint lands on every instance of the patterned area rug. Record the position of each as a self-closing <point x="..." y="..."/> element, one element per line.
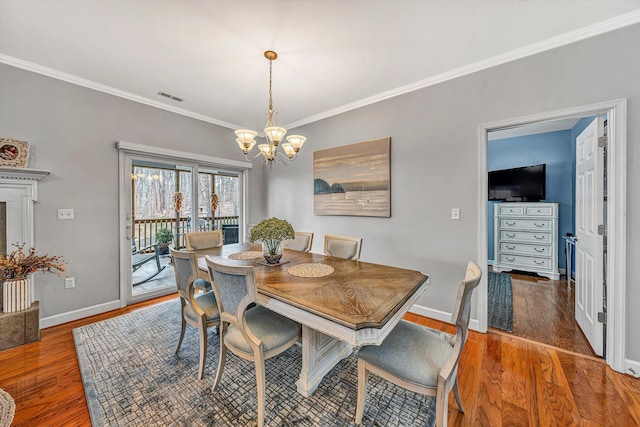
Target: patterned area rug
<point x="133" y="377"/>
<point x="7" y="408"/>
<point x="500" y="301"/>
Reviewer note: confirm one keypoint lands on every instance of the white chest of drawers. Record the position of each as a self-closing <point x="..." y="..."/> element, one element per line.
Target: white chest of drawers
<point x="526" y="238"/>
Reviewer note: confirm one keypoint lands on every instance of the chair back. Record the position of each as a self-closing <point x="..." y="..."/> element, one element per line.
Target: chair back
<point x="462" y="309"/>
<point x="200" y="240"/>
<point x="234" y="288"/>
<point x="302" y="242"/>
<point x="185" y="267"/>
<point x="342" y="246"/>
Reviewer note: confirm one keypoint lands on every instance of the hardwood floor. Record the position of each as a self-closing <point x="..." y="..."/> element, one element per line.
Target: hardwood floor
<point x="544" y="311"/>
<point x="504" y="381"/>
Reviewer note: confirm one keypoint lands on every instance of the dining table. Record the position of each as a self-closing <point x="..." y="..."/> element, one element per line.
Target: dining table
<point x="340" y="303"/>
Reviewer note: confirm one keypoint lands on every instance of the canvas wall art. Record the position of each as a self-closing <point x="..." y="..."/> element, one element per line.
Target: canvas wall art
<point x="353" y="180"/>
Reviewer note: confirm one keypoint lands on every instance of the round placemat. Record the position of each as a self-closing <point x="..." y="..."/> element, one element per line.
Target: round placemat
<point x="7" y="408"/>
<point x="246" y="255"/>
<point x="310" y="270"/>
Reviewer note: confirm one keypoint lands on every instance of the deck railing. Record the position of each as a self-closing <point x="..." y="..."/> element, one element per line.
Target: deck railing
<point x="144" y="230"/>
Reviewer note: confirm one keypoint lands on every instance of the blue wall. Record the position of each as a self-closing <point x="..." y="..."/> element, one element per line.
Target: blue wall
<point x="557" y="150"/>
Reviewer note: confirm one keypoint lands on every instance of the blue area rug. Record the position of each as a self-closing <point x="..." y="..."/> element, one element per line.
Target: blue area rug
<point x="132" y="377"/>
<point x="500" y="301"/>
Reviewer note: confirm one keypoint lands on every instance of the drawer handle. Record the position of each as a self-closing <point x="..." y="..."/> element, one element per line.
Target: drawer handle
<point x="510" y="259"/>
<point x="510" y="247"/>
<point x="510" y="235"/>
<point x="510" y="223"/>
<point x="539" y="224"/>
<point x="538" y="262"/>
<point x="539" y="237"/>
<point x="539" y="249"/>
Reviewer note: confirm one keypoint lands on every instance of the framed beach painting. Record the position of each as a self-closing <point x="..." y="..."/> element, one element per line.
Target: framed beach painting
<point x="353" y="180"/>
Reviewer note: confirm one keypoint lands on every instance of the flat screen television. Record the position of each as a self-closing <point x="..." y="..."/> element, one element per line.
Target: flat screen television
<point x="524" y="184"/>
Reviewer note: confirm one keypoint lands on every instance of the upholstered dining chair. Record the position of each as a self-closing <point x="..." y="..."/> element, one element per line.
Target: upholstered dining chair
<point x="201" y="310"/>
<point x="342" y="247"/>
<point x="254" y="334"/>
<point x="419" y="359"/>
<point x="202" y="240"/>
<point x="302" y="242"/>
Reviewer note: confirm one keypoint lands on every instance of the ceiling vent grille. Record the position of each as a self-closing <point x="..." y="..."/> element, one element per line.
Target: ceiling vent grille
<point x="167" y="95"/>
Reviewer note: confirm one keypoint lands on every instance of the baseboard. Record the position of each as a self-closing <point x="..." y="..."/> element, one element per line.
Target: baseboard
<point x="632" y="367"/>
<point x="442" y="316"/>
<point x="69" y="316"/>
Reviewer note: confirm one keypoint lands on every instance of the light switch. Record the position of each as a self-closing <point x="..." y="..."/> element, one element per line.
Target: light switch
<point x="455" y="213"/>
<point x="65" y="213"/>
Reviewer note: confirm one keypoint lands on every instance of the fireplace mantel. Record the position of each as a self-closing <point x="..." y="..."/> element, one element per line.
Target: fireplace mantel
<point x="23" y="173"/>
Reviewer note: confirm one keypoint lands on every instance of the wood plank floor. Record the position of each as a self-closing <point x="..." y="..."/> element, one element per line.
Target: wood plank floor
<point x="504" y="381"/>
<point x="544" y="311"/>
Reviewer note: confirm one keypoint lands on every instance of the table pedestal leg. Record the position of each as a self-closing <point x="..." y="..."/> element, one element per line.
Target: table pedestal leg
<point x="320" y="353"/>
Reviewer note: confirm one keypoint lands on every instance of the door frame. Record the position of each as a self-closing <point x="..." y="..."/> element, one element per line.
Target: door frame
<point x="127" y="152"/>
<point x="616" y="111"/>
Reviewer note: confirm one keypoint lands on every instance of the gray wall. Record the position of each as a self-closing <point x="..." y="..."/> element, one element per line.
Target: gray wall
<point x="72" y="131"/>
<point x="434" y="139"/>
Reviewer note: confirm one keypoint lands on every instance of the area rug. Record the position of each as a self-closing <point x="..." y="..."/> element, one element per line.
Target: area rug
<point x="133" y="377"/>
<point x="7" y="408"/>
<point x="500" y="301"/>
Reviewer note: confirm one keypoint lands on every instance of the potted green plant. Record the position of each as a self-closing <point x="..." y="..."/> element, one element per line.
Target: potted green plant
<point x="164" y="237"/>
<point x="271" y="232"/>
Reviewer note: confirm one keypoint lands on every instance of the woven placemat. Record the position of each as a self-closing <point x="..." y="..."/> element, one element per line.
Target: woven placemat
<point x="246" y="255"/>
<point x="7" y="408"/>
<point x="310" y="270"/>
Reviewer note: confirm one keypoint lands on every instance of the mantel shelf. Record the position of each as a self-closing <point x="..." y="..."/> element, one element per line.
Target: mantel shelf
<point x="23" y="173"/>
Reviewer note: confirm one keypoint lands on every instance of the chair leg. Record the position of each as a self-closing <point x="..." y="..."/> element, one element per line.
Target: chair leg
<point x="442" y="406"/>
<point x="221" y="361"/>
<point x="362" y="388"/>
<point x="456" y="393"/>
<point x="202" y="326"/>
<point x="260" y="380"/>
<point x="182" y="328"/>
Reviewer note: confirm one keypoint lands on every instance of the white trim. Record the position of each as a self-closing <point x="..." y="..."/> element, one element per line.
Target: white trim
<point x="608" y="25"/>
<point x="632" y="367"/>
<point x="442" y="316"/>
<point x="69" y="316"/>
<point x="24" y="174"/>
<point x="616" y="214"/>
<point x="150" y="150"/>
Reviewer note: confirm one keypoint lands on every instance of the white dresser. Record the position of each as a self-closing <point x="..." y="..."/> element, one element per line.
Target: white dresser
<point x="526" y="238"/>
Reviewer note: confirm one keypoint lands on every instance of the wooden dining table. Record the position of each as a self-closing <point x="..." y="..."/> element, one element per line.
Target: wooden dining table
<point x="357" y="304"/>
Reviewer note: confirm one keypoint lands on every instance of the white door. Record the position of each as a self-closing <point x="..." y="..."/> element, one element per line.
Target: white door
<point x="589" y="215"/>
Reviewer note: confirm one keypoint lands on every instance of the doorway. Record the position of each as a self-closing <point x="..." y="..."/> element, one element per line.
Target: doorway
<point x="615" y="213"/>
<point x="165" y="194"/>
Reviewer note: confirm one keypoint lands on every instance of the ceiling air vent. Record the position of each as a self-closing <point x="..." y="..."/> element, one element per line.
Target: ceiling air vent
<point x="167" y="95"/>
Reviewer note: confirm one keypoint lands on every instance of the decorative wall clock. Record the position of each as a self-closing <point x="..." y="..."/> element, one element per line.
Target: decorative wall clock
<point x="13" y="152"/>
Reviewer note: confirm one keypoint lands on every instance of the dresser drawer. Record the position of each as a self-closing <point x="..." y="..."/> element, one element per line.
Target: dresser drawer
<point x="522" y="248"/>
<point x="525" y="224"/>
<point x="526" y="261"/>
<point x="511" y="210"/>
<point x="525" y="236"/>
<point x="538" y="210"/>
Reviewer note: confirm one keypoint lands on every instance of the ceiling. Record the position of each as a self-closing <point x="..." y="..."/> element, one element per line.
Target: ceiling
<point x="333" y="55"/>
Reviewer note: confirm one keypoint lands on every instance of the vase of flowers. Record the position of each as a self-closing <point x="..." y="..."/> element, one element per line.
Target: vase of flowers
<point x="15" y="269"/>
<point x="271" y="232"/>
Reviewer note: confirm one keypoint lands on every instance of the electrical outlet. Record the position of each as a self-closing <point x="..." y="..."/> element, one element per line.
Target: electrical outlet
<point x="65" y="213"/>
<point x="455" y="213"/>
<point x="69" y="282"/>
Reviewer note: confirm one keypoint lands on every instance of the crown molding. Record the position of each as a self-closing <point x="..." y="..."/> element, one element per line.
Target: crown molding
<point x="70" y="78"/>
<point x="608" y="25"/>
<point x="23" y="174"/>
<point x="523" y="52"/>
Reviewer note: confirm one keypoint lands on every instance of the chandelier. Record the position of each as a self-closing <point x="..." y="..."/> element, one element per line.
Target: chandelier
<point x="273" y="134"/>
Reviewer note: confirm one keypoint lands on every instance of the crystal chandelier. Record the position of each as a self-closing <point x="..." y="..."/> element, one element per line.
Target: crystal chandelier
<point x="273" y="134"/>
